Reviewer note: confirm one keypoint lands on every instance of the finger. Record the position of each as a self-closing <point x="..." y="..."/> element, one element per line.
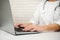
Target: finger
<point x="27" y="29"/>
<point x="33" y="30"/>
<point x="17" y="25"/>
<point x="22" y="25"/>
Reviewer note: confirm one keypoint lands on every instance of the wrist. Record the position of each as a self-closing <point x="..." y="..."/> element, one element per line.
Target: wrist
<point x="45" y="28"/>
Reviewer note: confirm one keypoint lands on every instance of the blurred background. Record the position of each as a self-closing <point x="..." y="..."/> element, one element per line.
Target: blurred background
<point x="22" y="10"/>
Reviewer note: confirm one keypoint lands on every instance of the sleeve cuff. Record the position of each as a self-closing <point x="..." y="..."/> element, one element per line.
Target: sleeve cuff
<point x="57" y="22"/>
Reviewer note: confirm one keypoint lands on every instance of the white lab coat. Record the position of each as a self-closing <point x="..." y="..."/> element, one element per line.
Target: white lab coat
<point x="47" y="16"/>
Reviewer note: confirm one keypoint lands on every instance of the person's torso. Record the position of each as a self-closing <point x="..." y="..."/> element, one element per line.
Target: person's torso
<point x="46" y="15"/>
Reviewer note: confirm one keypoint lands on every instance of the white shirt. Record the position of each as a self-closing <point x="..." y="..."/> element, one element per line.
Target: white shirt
<point x="47" y="16"/>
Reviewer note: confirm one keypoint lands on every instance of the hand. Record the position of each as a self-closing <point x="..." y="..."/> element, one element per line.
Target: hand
<point x="29" y="27"/>
<point x="35" y="28"/>
<point x="17" y="25"/>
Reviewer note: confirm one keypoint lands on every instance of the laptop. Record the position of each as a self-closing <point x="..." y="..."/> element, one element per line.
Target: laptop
<point x="7" y="20"/>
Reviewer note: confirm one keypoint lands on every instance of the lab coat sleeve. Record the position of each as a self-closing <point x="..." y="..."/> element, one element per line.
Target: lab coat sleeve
<point x="34" y="18"/>
<point x="57" y="20"/>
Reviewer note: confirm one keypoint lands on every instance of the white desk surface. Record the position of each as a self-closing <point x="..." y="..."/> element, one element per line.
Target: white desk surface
<point x="40" y="36"/>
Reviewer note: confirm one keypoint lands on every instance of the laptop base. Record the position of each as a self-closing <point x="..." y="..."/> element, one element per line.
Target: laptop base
<point x="24" y="33"/>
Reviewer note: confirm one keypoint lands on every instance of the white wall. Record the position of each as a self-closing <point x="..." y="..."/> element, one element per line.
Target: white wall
<point x="22" y="10"/>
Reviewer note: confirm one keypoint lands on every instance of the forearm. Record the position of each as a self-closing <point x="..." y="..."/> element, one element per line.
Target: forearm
<point x="52" y="27"/>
